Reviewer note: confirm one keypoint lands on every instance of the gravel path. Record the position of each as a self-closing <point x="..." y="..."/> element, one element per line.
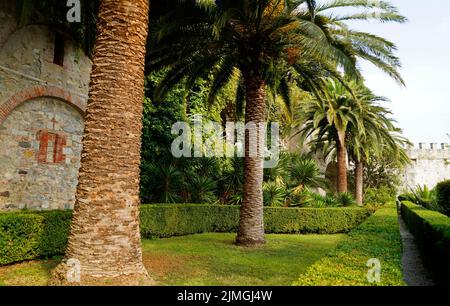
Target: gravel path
<point x="414" y="272"/>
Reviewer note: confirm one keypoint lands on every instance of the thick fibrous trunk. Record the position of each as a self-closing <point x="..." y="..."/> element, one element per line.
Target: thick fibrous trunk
<point x="359" y="167"/>
<point x="251" y="220"/>
<point x="342" y="164"/>
<point x="104" y="245"/>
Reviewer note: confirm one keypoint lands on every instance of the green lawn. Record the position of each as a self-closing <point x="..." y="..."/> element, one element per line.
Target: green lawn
<point x="208" y="259"/>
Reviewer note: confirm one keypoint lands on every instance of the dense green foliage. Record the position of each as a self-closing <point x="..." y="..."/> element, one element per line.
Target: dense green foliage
<point x="374" y="196"/>
<point x="432" y="232"/>
<point x="28" y="235"/>
<point x="378" y="237"/>
<point x="165" y="179"/>
<point x="437" y="199"/>
<point x="443" y="196"/>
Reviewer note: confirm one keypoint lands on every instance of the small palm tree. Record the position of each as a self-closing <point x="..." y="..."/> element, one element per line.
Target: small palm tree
<point x="274" y="194"/>
<point x="265" y="42"/>
<point x="201" y="189"/>
<point x="166" y="183"/>
<point x="304" y="173"/>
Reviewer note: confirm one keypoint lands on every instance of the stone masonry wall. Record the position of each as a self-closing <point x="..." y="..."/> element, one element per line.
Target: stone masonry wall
<point x="429" y="166"/>
<point x="40" y="155"/>
<point x="41" y="117"/>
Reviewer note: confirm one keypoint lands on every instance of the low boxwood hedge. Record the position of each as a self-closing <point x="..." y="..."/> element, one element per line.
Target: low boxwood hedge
<point x="431" y="230"/>
<point x="378" y="238"/>
<point x="29" y="235"/>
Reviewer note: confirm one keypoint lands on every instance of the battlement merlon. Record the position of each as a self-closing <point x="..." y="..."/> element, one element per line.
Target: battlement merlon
<point x="432" y="151"/>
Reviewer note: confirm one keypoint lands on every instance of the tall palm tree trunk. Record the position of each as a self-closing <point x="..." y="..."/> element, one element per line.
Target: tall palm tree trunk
<point x="251" y="219"/>
<point x="359" y="168"/>
<point x="104" y="244"/>
<point x="342" y="164"/>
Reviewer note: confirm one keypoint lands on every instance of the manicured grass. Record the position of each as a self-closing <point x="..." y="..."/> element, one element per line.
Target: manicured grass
<point x="377" y="238"/>
<point x="208" y="259"/>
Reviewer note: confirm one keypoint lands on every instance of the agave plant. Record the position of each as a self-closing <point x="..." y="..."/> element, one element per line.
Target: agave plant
<point x="345" y="199"/>
<point x="274" y="194"/>
<point x="201" y="189"/>
<point x="307" y="198"/>
<point x="165" y="184"/>
<point x="304" y="172"/>
<point x="421" y="194"/>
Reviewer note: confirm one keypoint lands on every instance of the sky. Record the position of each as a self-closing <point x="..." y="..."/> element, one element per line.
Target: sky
<point x="422" y="108"/>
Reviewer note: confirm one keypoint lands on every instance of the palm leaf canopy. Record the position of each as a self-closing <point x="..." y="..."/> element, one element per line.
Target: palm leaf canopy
<point x="284" y="42"/>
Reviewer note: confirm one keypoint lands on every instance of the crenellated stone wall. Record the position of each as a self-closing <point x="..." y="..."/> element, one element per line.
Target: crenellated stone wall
<point x="430" y="164"/>
<point x="42" y="106"/>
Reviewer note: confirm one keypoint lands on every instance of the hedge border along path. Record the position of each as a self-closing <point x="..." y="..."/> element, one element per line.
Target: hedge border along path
<point x="431" y="230"/>
<point x="30" y="235"/>
<point x="378" y="237"/>
<point x="414" y="271"/>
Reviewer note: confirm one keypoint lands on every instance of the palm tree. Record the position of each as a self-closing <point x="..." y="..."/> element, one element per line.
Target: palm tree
<point x="265" y="42"/>
<point x="353" y="122"/>
<point x="379" y="136"/>
<point x="328" y="120"/>
<point x="104" y="243"/>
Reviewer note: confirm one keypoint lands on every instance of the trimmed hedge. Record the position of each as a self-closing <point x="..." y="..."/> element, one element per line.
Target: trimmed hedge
<point x="443" y="196"/>
<point x="29" y="235"/>
<point x="378" y="237"/>
<point x="184" y="219"/>
<point x="431" y="230"/>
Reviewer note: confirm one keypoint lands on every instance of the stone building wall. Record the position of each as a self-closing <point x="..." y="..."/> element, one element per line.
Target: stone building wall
<point x="42" y="104"/>
<point x="429" y="166"/>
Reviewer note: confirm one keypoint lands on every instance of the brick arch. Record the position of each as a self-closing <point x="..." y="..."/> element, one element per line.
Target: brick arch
<point x="39" y="92"/>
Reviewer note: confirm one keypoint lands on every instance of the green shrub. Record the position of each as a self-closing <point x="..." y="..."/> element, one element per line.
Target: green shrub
<point x="184" y="219"/>
<point x="345" y="199"/>
<point x="28" y="235"/>
<point x="443" y="197"/>
<point x="274" y="194"/>
<point x="379" y="196"/>
<point x="379" y="238"/>
<point x="313" y="220"/>
<point x="432" y="232"/>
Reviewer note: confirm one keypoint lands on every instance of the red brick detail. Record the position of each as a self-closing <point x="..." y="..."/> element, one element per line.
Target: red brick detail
<point x="58" y="156"/>
<point x="44" y="138"/>
<point x="37" y="92"/>
<point x="58" y="141"/>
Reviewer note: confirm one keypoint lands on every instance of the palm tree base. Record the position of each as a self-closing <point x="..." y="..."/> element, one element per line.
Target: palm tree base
<point x="250" y="242"/>
<point x="60" y="277"/>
